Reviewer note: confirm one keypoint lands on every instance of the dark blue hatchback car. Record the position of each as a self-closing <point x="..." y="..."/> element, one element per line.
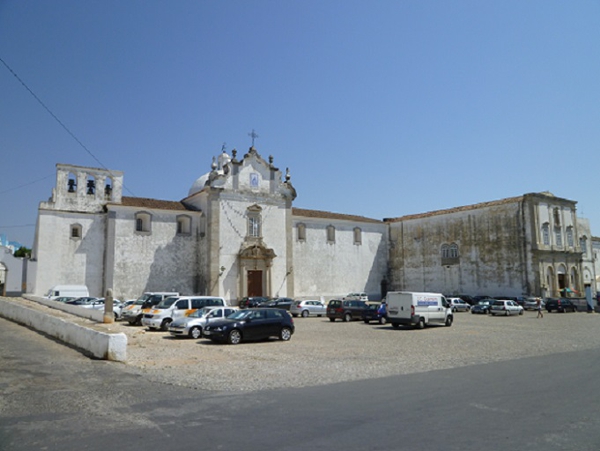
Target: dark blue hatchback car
<point x="251" y="324"/>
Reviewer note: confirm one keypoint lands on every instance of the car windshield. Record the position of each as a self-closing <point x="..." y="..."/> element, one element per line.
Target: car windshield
<point x="200" y="312"/>
<point x="241" y="314"/>
<point x="166" y="303"/>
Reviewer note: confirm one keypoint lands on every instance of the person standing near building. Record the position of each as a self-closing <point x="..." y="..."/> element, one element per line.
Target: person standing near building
<point x="539" y="308"/>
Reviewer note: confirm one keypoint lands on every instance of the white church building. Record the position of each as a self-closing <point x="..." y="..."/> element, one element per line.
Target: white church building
<point x="237" y="234"/>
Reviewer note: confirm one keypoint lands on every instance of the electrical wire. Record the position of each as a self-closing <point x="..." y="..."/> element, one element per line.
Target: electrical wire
<point x="83" y="146"/>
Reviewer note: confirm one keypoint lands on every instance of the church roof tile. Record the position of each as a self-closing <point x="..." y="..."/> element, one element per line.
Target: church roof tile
<point x="329" y="215"/>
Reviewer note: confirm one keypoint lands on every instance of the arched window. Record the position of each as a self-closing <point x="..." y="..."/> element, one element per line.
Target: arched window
<point x="91" y="186"/>
<point x="71" y="183"/>
<point x="449" y="254"/>
<point x="546" y="234"/>
<point x="330" y="234"/>
<point x="184" y="225"/>
<point x="445" y="251"/>
<point x="583" y="245"/>
<point x="143" y="222"/>
<point x="301" y="229"/>
<point x="453" y="250"/>
<point x="558" y="234"/>
<point x="108" y="188"/>
<point x="570" y="242"/>
<point x="357" y="235"/>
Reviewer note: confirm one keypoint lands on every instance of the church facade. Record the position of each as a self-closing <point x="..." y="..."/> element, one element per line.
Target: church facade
<point x="237" y="234"/>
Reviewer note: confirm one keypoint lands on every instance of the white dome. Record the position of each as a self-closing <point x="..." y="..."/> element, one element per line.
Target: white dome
<point x="199" y="184"/>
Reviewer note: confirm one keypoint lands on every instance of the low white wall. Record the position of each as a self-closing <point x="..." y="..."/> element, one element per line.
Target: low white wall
<point x="99" y="344"/>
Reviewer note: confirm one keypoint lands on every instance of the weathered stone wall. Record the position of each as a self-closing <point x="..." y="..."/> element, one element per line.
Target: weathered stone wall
<point x="65" y="260"/>
<point x="159" y="260"/>
<point x="490" y="258"/>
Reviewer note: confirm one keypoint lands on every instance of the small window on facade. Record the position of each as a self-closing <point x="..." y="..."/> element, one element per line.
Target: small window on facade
<point x="301" y="228"/>
<point x="558" y="234"/>
<point x="357" y="235"/>
<point x="453" y="250"/>
<point x="583" y="245"/>
<point x="546" y="234"/>
<point x="556" y="217"/>
<point x="76" y="231"/>
<point x="143" y="222"/>
<point x="184" y="225"/>
<point x="570" y="236"/>
<point x="445" y="251"/>
<point x="330" y="234"/>
<point x="254" y="221"/>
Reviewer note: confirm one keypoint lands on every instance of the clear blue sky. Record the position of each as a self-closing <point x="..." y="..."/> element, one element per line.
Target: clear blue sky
<point x="379" y="108"/>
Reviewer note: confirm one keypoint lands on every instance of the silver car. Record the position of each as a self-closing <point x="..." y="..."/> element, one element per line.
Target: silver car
<point x="193" y="324"/>
<point x="308" y="308"/>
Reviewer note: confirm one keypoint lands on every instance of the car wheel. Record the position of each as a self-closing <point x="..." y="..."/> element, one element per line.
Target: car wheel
<point x="234" y="337"/>
<point x="506" y="313"/>
<point x="138" y="320"/>
<point x="304" y="313"/>
<point x="520" y="312"/>
<point x="196" y="332"/>
<point x="421" y="323"/>
<point x="395" y="325"/>
<point x="165" y="324"/>
<point x="347" y="317"/>
<point x="285" y="334"/>
<point x="332" y="319"/>
<point x="382" y="320"/>
<point x="448" y="321"/>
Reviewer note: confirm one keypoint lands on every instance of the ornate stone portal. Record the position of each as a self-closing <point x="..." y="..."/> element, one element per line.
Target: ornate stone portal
<point x="255" y="262"/>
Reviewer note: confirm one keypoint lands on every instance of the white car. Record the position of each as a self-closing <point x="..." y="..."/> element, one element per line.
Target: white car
<point x="503" y="307"/>
<point x="458" y="305"/>
<point x="193" y="325"/>
<point x="359" y="296"/>
<point x="308" y="308"/>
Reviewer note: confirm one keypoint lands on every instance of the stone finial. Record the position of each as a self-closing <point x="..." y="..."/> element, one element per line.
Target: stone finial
<point x="287" y="174"/>
<point x="214" y="164"/>
<point x="271" y="160"/>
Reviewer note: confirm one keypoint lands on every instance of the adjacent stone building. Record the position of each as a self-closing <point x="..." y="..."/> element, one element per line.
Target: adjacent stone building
<point x="237" y="234"/>
<point x="532" y="244"/>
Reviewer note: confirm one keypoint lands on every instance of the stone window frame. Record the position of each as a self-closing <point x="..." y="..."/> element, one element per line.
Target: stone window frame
<point x="301" y="231"/>
<point x="330" y="234"/>
<point x="357" y="236"/>
<point x="184" y="225"/>
<point x="76" y="231"/>
<point x="143" y="223"/>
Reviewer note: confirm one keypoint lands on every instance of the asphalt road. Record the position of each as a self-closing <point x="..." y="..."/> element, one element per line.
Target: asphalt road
<point x="54" y="398"/>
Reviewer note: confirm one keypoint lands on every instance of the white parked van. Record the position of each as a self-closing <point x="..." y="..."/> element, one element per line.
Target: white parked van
<point x="72" y="291"/>
<point x="418" y="309"/>
<point x="161" y="315"/>
<point x="133" y="312"/>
